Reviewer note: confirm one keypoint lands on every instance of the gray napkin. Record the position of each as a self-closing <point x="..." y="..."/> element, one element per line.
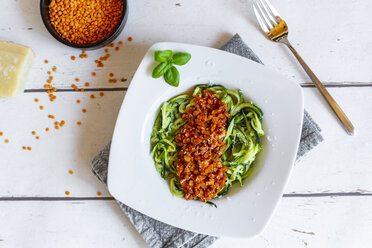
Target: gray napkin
<point x="158" y="234"/>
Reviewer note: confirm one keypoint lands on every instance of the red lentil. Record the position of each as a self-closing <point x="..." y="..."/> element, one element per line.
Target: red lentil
<point x="67" y="192"/>
<point x="73" y="57"/>
<point x="130" y="39"/>
<point x="70" y="172"/>
<point x="85" y="21"/>
<point x="86" y="84"/>
<point x="41" y="107"/>
<point x="92" y="96"/>
<point x="36" y="100"/>
<point x="84" y="110"/>
<point x="99" y="193"/>
<point x="99" y="64"/>
<point x="104" y="58"/>
<point x="101" y="94"/>
<point x="6" y="141"/>
<point x="46" y="61"/>
<point x="94" y="74"/>
<point x="29" y="148"/>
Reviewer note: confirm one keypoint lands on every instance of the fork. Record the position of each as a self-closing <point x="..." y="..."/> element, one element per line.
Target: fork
<point x="276" y="30"/>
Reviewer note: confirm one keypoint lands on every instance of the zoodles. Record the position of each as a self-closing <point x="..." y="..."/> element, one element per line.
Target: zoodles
<point x="242" y="140"/>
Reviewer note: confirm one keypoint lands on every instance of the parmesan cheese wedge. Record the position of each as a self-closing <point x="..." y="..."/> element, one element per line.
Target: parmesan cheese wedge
<point x="15" y="63"/>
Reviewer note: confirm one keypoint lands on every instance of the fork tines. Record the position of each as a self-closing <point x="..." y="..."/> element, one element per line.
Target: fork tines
<point x="266" y="15"/>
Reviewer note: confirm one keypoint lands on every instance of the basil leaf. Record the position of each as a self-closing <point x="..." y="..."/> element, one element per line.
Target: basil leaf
<point x="160" y="70"/>
<point x="172" y="76"/>
<point x="181" y="58"/>
<point x="162" y="55"/>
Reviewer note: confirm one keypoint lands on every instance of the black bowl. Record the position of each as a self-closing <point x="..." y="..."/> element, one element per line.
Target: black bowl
<point x="44" y="11"/>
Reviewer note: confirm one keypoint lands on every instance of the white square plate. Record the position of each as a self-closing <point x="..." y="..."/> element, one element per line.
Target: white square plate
<point x="244" y="211"/>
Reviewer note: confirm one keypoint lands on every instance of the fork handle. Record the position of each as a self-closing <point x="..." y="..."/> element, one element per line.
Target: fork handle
<point x="332" y="103"/>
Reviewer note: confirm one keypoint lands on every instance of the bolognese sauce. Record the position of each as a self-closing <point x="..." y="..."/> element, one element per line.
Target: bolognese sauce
<point x="199" y="167"/>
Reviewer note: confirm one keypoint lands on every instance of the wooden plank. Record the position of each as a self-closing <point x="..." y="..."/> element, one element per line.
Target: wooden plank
<point x="340" y="164"/>
<point x="339" y="84"/>
<point x="314" y="222"/>
<point x="44" y="171"/>
<point x="298" y="222"/>
<point x="66" y="224"/>
<point x="328" y="46"/>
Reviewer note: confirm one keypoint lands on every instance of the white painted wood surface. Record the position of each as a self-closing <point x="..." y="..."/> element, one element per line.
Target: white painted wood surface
<point x="298" y="222"/>
<point x="333" y="36"/>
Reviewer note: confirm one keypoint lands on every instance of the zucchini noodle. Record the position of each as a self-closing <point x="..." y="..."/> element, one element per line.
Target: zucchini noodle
<point x="242" y="140"/>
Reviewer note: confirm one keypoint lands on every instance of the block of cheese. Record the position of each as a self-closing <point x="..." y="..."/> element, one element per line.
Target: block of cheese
<point x="15" y="63"/>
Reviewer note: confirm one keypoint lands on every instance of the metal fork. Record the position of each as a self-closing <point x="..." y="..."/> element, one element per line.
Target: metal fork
<point x="276" y="30"/>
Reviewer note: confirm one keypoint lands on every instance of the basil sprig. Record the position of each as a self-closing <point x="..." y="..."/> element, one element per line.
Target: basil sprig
<point x="166" y="67"/>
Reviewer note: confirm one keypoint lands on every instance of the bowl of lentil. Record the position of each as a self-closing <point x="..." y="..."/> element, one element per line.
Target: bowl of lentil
<point x="84" y="24"/>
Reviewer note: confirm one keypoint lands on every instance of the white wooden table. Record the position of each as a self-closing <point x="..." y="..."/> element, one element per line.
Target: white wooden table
<point x="328" y="200"/>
